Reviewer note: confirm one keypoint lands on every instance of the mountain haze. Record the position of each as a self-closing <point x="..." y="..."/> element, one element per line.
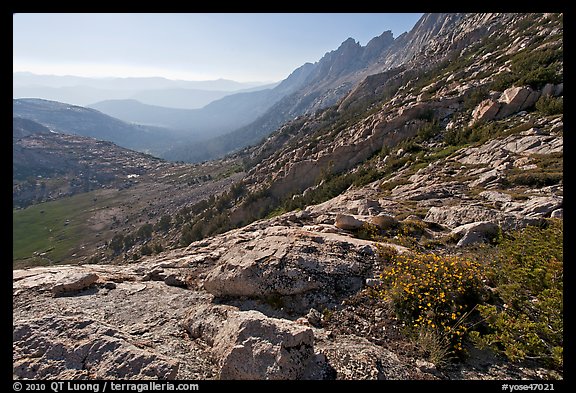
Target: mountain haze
<point x="434" y="36"/>
<point x="308" y="88"/>
<point x="82" y="121"/>
<point x="158" y="91"/>
<point x="216" y="118"/>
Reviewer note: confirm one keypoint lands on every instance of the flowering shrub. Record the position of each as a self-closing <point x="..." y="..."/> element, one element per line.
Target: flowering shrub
<point x="443" y="299"/>
<point x="431" y="292"/>
<point x="526" y="319"/>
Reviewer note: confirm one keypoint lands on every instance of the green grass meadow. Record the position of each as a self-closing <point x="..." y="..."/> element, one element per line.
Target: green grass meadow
<point x="42" y="228"/>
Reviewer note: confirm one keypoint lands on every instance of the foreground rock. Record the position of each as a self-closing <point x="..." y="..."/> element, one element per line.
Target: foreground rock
<point x="356" y="358"/>
<point x="59" y="347"/>
<point x="250" y="345"/>
<point x="131" y="322"/>
<point x="475" y="232"/>
<point x="512" y="100"/>
<point x="305" y="266"/>
<point x="119" y="327"/>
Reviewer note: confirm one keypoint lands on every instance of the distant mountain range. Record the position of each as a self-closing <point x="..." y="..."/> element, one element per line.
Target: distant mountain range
<point x="313" y="87"/>
<point x="217" y="118"/>
<point x="77" y="120"/>
<point x="152" y="91"/>
<point x="154" y="129"/>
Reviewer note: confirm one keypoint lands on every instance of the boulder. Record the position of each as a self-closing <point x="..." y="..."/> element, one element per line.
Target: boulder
<point x="475" y="232"/>
<point x="250" y="345"/>
<point x="515" y="99"/>
<point x="290" y="263"/>
<point x="73" y="282"/>
<point x="384" y="221"/>
<point x="347" y="222"/>
<point x="245" y="271"/>
<point x="485" y="111"/>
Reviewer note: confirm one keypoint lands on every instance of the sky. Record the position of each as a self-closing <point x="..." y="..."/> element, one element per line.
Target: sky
<point x="201" y="46"/>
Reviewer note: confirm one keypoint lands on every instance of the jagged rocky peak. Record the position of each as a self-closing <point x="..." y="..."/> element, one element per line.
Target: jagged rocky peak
<point x="348" y="43"/>
<point x="377" y="45"/>
<point x="340" y="60"/>
<point x="350" y="55"/>
<point x="296" y="79"/>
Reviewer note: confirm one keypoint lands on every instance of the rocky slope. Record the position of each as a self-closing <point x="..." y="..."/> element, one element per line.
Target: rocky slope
<point x="446" y="95"/>
<point x="72" y="194"/>
<point x="263" y="293"/>
<point x="443" y="157"/>
<point x="280" y="292"/>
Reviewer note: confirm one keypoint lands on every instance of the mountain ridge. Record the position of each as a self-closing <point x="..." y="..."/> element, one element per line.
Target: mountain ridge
<point x="330" y="79"/>
<point x="73" y="119"/>
<point x="304" y="88"/>
<point x="433" y="36"/>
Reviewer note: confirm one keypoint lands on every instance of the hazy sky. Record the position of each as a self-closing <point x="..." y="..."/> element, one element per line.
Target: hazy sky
<point x="242" y="47"/>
